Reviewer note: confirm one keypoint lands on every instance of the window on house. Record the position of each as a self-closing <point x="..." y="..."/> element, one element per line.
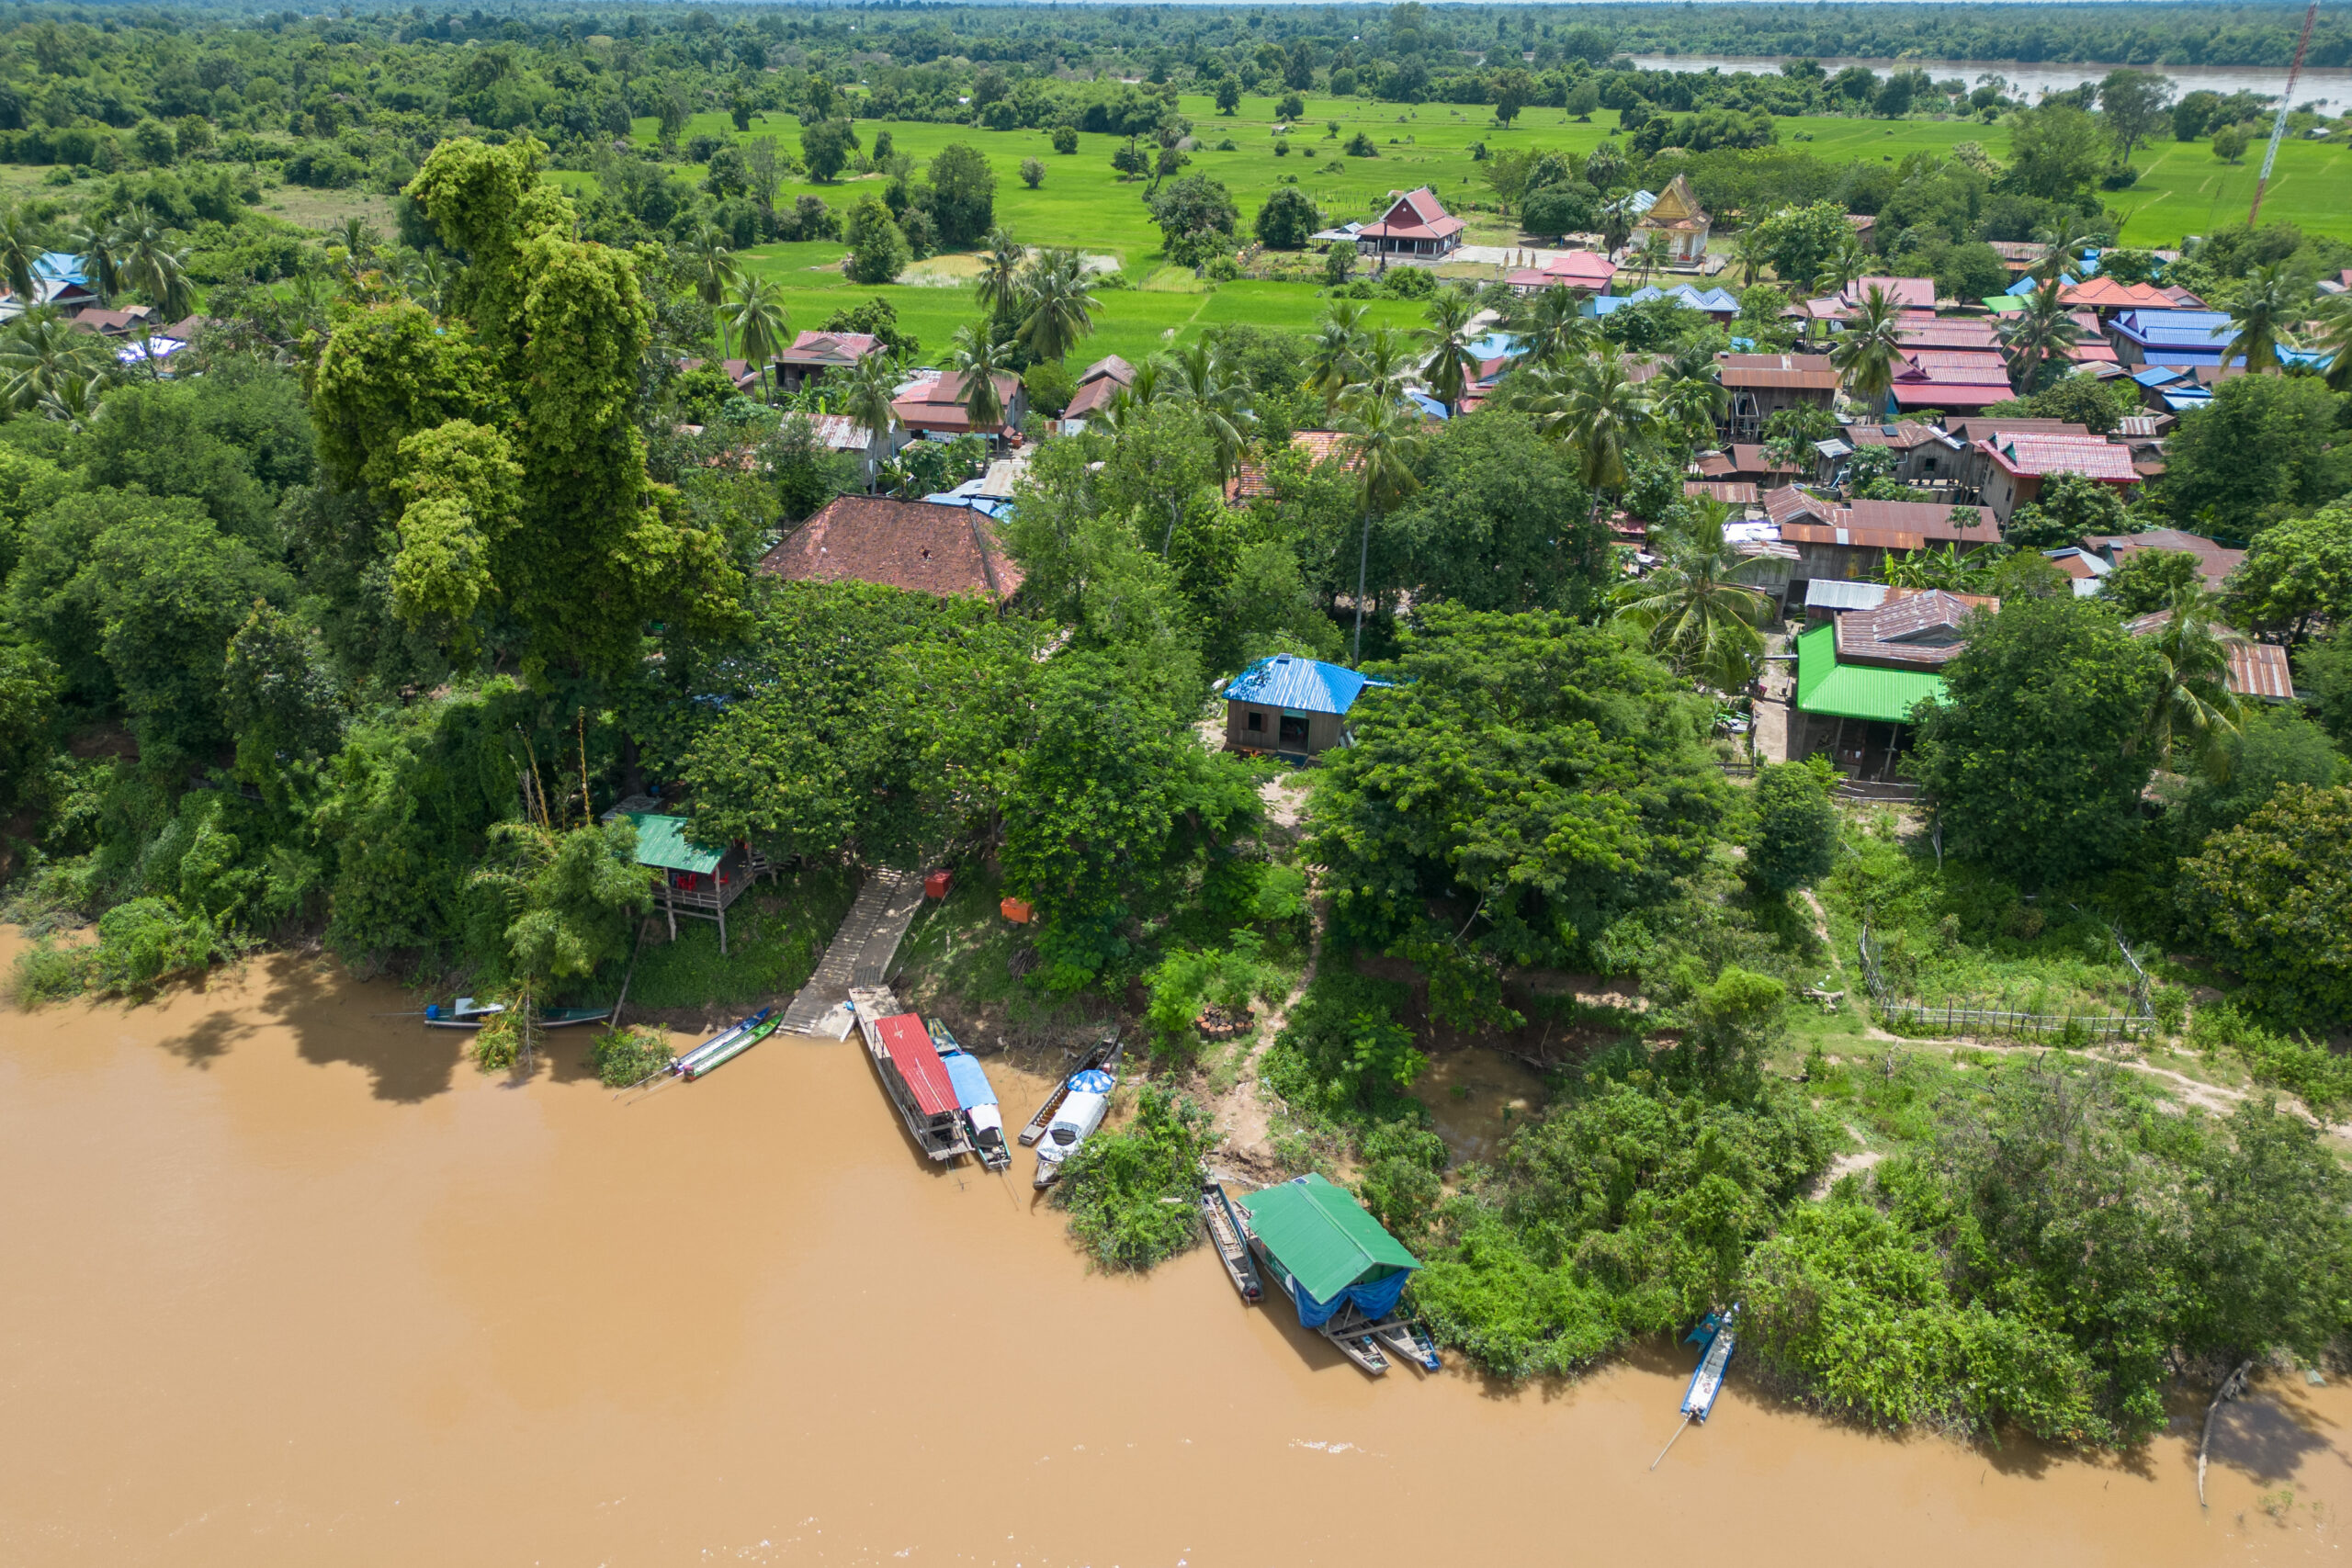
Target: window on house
<point x="1257" y="722"/>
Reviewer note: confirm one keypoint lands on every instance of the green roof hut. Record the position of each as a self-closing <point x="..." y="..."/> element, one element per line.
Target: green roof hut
<point x="697" y="882"/>
<point x="1321" y="1247"/>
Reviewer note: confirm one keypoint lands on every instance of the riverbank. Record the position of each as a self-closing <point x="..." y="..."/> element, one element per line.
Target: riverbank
<point x="294" y="1284"/>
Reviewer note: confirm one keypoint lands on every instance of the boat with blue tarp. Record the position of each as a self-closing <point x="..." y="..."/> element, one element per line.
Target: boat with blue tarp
<point x="1340" y="1268"/>
<point x="974" y="1097"/>
<point x="1717" y="1337"/>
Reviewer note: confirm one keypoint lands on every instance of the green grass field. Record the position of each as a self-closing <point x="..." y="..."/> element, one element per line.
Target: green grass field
<point x="2183" y="189"/>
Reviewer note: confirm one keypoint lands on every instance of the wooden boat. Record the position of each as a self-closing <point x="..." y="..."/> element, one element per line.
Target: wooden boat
<point x="1105" y="1052"/>
<point x="1086" y="1099"/>
<point x="912" y="1075"/>
<point x="983" y="1120"/>
<point x="725" y="1046"/>
<point x="1225" y="1231"/>
<point x="1707" y="1383"/>
<point x="1409" y="1339"/>
<point x="469" y="1013"/>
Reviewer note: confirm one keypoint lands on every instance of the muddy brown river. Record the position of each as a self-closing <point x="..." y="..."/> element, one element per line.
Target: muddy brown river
<point x="288" y="1283"/>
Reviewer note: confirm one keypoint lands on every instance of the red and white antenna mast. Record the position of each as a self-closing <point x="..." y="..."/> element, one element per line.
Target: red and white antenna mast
<point x="2286" y="100"/>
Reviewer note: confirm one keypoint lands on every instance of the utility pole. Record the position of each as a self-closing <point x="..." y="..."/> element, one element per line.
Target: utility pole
<point x="2286" y="101"/>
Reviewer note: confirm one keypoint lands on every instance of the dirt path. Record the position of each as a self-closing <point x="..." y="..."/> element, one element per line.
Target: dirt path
<point x="1242" y="1114"/>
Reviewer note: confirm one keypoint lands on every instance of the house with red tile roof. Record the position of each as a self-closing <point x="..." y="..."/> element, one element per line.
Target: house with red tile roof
<point x="933" y="404"/>
<point x="914" y="544"/>
<point x="1585" y="272"/>
<point x="1102" y="381"/>
<point x="1250" y="480"/>
<point x="1416" y="228"/>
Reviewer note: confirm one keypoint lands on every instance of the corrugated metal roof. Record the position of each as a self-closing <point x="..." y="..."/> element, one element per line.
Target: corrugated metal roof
<point x="1822" y="593"/>
<point x="1857" y="691"/>
<point x="1302" y="685"/>
<point x="662" y="841"/>
<point x="1808" y="371"/>
<point x="911" y="1052"/>
<point x="1321" y="1236"/>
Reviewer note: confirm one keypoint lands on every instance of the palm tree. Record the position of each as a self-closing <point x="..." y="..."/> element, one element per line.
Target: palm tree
<point x="100" y="260"/>
<point x="75" y="402"/>
<point x="1380" y="439"/>
<point x="1333" y="361"/>
<point x="2336" y="340"/>
<point x="20" y="247"/>
<point x="1383" y="364"/>
<point x="1700" y="613"/>
<point x="2193" y="710"/>
<point x="1691" y="400"/>
<point x="41" y="354"/>
<point x="1061" y="312"/>
<point x="712" y="268"/>
<point x="1847" y="261"/>
<point x="2269" y="301"/>
<point x="866" y="390"/>
<point x="1119" y="413"/>
<point x="1617" y="218"/>
<point x="1604" y="417"/>
<point x="999" y="282"/>
<point x="2067" y="239"/>
<point x="1552" y="326"/>
<point x="981" y="359"/>
<point x="1204" y="380"/>
<point x="358" y="237"/>
<point x="1747" y="262"/>
<point x="1869" y="350"/>
<point x="427" y="274"/>
<point x="150" y="264"/>
<point x="1656" y="250"/>
<point x="1451" y="368"/>
<point x="760" y="323"/>
<point x="2043" y="330"/>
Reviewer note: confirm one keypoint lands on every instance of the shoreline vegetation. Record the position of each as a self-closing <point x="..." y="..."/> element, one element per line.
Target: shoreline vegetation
<point x="348" y="620"/>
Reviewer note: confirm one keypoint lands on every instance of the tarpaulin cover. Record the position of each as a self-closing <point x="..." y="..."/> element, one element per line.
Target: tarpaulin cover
<point x="1330" y="1249"/>
<point x="910" y="1050"/>
<point x="971" y="1084"/>
<point x="1094" y="1080"/>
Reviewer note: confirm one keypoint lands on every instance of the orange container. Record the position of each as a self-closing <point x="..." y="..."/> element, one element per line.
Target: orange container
<point x="1017" y="910"/>
<point x="936" y="884"/>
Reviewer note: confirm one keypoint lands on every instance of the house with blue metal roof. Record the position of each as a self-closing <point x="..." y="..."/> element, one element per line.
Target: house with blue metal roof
<point x="1292" y="704"/>
<point x="2178" y="339"/>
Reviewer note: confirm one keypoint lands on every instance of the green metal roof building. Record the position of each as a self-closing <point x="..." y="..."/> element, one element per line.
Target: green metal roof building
<point x="1325" y="1250"/>
<point x="1857" y="691"/>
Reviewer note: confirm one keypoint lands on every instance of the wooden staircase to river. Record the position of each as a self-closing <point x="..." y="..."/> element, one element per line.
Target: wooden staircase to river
<point x="859" y="955"/>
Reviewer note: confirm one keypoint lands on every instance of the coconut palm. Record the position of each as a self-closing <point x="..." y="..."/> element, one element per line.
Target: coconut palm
<point x="1383" y="364"/>
<point x="1847" y="260"/>
<point x="2193" y="712"/>
<point x="427" y="274"/>
<point x="1617" y="219"/>
<point x="981" y="359"/>
<point x="999" y="283"/>
<point x="2269" y="301"/>
<point x="75" y="402"/>
<point x="865" y="391"/>
<point x="1604" y="417"/>
<point x="1870" y="349"/>
<point x="150" y="264"/>
<point x="1655" y="251"/>
<point x="759" y="322"/>
<point x="1060" y="311"/>
<point x="2067" y="238"/>
<point x="20" y="246"/>
<point x="1451" y="368"/>
<point x="1333" y="360"/>
<point x="41" y="353"/>
<point x="359" y="239"/>
<point x="1126" y="404"/>
<point x="1552" y="327"/>
<point x="1379" y="438"/>
<point x="1698" y="605"/>
<point x="2335" y="340"/>
<point x="101" y="259"/>
<point x="2044" y="330"/>
<point x="1691" y="400"/>
<point x="711" y="266"/>
<point x="1200" y="379"/>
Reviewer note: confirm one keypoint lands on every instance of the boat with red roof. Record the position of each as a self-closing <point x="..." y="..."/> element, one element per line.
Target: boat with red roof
<point x="912" y="1073"/>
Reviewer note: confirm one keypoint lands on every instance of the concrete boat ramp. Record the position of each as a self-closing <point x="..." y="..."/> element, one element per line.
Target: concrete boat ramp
<point x="859" y="955"/>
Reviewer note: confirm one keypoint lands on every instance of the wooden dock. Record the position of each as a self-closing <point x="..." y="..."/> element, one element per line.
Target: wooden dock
<point x="859" y="954"/>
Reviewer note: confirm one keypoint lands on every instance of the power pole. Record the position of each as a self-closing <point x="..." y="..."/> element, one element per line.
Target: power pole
<point x="2286" y="101"/>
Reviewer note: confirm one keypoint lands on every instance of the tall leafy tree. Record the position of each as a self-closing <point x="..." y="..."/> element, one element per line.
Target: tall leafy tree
<point x="866" y="391"/>
<point x="2267" y="303"/>
<point x="1333" y="355"/>
<point x="710" y="264"/>
<point x="756" y="316"/>
<point x="2275" y="894"/>
<point x="2192" y="714"/>
<point x="1202" y="378"/>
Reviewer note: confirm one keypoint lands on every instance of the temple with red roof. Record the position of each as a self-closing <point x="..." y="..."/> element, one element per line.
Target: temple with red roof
<point x="1416" y="228"/>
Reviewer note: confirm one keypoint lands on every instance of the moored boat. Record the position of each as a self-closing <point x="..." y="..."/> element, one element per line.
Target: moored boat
<point x="1082" y="1111"/>
<point x="728" y="1045"/>
<point x="1340" y="1267"/>
<point x="983" y="1121"/>
<point x="1717" y="1335"/>
<point x="1225" y="1234"/>
<point x="912" y="1073"/>
<point x="1407" y="1338"/>
<point x="469" y="1013"/>
<point x="1102" y="1054"/>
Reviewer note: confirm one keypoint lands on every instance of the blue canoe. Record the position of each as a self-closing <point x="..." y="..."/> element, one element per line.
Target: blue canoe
<point x="1717" y="1337"/>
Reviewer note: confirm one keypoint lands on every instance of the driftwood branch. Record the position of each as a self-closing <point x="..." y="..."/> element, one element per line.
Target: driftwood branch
<point x="2232" y="1387"/>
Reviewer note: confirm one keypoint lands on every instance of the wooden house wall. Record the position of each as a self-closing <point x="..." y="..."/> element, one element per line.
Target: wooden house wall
<point x="1323" y="730"/>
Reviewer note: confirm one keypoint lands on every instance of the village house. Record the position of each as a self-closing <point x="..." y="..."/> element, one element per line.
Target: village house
<point x="2020" y="461"/>
<point x="1677" y="215"/>
<point x="1950" y="380"/>
<point x="1416" y="228"/>
<point x="1102" y="381"/>
<point x="915" y="544"/>
<point x="1580" y="272"/>
<point x="1923" y="454"/>
<point x="839" y="432"/>
<point x="2215" y="562"/>
<point x="933" y="404"/>
<point x="1761" y="385"/>
<point x="1291" y="704"/>
<point x="1251" y="482"/>
<point x="1862" y="674"/>
<point x="2178" y="339"/>
<point x="813" y="355"/>
<point x="1904" y="293"/>
<point x="1850" y="543"/>
<point x="1743" y="460"/>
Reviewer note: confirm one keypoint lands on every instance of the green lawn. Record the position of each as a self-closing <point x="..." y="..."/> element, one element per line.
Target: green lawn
<point x="2183" y="189"/>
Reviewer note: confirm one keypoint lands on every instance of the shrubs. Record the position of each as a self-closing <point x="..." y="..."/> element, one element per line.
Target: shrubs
<point x="623" y="1056"/>
<point x="1795" y="835"/>
<point x="1065" y="139"/>
<point x="1033" y="173"/>
<point x="141" y="944"/>
<point x="1362" y="146"/>
<point x="1132" y="1193"/>
<point x="1186" y="981"/>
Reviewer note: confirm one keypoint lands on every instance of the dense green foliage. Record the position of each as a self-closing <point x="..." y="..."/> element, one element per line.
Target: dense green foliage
<point x="1132" y="1191"/>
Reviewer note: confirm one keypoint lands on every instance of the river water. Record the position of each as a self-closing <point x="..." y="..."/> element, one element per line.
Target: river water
<point x="2331" y="88"/>
<point x="286" y="1282"/>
